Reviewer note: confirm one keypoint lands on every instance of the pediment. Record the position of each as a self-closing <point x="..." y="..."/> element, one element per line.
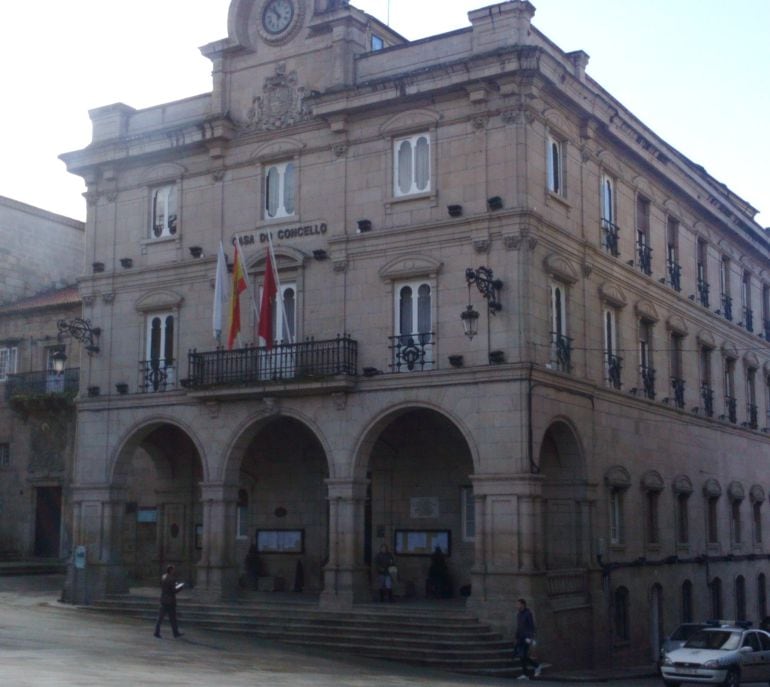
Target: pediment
<point x="283" y="147"/>
<point x="682" y="485"/>
<point x="407" y="266"/>
<point x="706" y="338"/>
<point x="286" y="257"/>
<point x="751" y="360"/>
<point x="729" y="350"/>
<point x="159" y="300"/>
<point x="736" y="491"/>
<point x="677" y="325"/>
<point x="617" y="476"/>
<point x="612" y="294"/>
<point x="652" y="481"/>
<point x="557" y="120"/>
<point x="609" y="162"/>
<point x="560" y="268"/>
<point x="712" y="489"/>
<point x="757" y="494"/>
<point x="410" y="121"/>
<point x="166" y="172"/>
<point x="646" y="311"/>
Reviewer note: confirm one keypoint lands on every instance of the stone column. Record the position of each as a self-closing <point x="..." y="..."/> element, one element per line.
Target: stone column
<point x="217" y="574"/>
<point x="345" y="576"/>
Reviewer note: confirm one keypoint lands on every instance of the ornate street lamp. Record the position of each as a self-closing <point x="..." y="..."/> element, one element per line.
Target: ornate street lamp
<point x="81" y="330"/>
<point x="470" y="318"/>
<point x="58" y="360"/>
<point x="489" y="287"/>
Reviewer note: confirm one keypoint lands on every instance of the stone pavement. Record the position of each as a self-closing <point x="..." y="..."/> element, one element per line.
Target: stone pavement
<point x="44" y="642"/>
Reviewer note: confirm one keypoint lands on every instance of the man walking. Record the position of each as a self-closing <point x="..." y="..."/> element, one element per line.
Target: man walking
<point x="525" y="636"/>
<point x="168" y="591"/>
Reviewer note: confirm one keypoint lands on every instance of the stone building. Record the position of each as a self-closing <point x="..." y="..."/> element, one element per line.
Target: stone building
<point x="597" y="442"/>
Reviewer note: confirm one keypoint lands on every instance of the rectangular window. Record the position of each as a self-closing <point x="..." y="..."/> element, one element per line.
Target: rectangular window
<point x="612" y="363"/>
<point x="158" y="368"/>
<point x="561" y="352"/>
<point x="644" y="252"/>
<point x="164" y="212"/>
<point x="756" y="512"/>
<point x="411" y="168"/>
<point x="748" y="314"/>
<point x="554" y="165"/>
<point x="413" y="340"/>
<point x="672" y="254"/>
<point x="609" y="226"/>
<point x="5" y="455"/>
<point x="682" y="519"/>
<point x="651" y="498"/>
<point x="712" y="532"/>
<point x="54" y="383"/>
<point x="766" y="311"/>
<point x="377" y="42"/>
<point x="735" y="517"/>
<point x="677" y="371"/>
<point x="724" y="286"/>
<point x="702" y="269"/>
<point x="751" y="398"/>
<point x="8" y="358"/>
<point x="280" y="190"/>
<point x="729" y="389"/>
<point x="616" y="516"/>
<point x="468" y="506"/>
<point x="646" y="369"/>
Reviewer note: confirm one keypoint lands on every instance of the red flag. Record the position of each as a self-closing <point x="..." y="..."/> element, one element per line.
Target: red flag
<point x="269" y="291"/>
<point x="239" y="286"/>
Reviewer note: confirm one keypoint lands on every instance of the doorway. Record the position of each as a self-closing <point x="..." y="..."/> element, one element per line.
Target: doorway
<point x="47" y="521"/>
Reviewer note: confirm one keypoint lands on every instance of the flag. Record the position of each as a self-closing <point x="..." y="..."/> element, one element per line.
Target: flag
<point x="221" y="293"/>
<point x="239" y="286"/>
<point x="269" y="291"/>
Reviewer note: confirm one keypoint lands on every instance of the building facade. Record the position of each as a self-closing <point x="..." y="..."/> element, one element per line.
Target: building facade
<point x="598" y="445"/>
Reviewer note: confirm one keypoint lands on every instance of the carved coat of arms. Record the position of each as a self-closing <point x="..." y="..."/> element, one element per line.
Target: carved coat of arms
<point x="281" y="104"/>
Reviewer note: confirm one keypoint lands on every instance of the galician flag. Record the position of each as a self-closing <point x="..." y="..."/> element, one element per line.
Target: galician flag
<point x="238" y="287"/>
<point x="221" y="293"/>
<point x="269" y="290"/>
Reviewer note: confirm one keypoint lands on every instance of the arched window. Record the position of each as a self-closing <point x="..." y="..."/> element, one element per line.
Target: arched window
<point x="621" y="615"/>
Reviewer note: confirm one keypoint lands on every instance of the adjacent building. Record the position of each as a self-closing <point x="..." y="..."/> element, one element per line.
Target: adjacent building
<point x="510" y="321"/>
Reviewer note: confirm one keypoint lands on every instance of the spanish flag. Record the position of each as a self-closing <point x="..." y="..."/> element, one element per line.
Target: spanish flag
<point x="239" y="286"/>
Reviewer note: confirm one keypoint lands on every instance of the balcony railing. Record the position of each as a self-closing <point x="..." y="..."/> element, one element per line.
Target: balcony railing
<point x="644" y="254"/>
<point x="675" y="275"/>
<point x="752" y="415"/>
<point x="614" y="367"/>
<point x="43" y="383"/>
<point x="731" y="410"/>
<point x="703" y="293"/>
<point x="748" y="319"/>
<point x="611" y="233"/>
<point x="677" y="386"/>
<point x="727" y="307"/>
<point x="561" y="351"/>
<point x="157" y="375"/>
<point x="648" y="381"/>
<point x="707" y="395"/>
<point x="412" y="352"/>
<point x="302" y="361"/>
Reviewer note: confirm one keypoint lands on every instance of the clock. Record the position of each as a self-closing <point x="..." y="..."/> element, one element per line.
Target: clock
<point x="277" y="16"/>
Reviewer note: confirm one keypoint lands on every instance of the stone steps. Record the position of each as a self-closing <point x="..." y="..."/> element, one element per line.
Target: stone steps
<point x="447" y="639"/>
<point x="32" y="567"/>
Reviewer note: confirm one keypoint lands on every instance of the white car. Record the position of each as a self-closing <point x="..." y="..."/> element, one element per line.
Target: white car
<point x="719" y="655"/>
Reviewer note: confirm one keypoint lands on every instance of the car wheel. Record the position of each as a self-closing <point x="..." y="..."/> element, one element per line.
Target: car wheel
<point x="733" y="679"/>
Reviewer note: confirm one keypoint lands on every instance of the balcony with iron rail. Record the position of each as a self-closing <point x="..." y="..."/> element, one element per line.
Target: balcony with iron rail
<point x="42" y="389"/>
<point x="707" y="396"/>
<point x="647" y="375"/>
<point x="703" y="292"/>
<point x="752" y="416"/>
<point x="677" y="386"/>
<point x="727" y="307"/>
<point x="611" y="235"/>
<point x="412" y="352"/>
<point x="675" y="275"/>
<point x="309" y="366"/>
<point x="731" y="409"/>
<point x="748" y="319"/>
<point x="644" y="255"/>
<point x="614" y="365"/>
<point x="561" y="352"/>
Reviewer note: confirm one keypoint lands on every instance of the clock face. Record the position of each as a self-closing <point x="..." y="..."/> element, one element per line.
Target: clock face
<point x="277" y="15"/>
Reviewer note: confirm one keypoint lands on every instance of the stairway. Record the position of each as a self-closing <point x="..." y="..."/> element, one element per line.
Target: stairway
<point x="441" y="638"/>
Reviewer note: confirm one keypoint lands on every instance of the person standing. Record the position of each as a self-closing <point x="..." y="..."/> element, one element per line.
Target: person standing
<point x="384" y="561"/>
<point x="169" y="588"/>
<point x="525" y="636"/>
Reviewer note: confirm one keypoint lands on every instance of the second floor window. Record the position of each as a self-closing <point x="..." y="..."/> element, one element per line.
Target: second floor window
<point x="724" y="285"/>
<point x="609" y="227"/>
<point x="748" y="315"/>
<point x="411" y="173"/>
<point x="646" y="369"/>
<point x="735" y="521"/>
<point x="712" y="520"/>
<point x="8" y="358"/>
<point x="644" y="252"/>
<point x="756" y="513"/>
<point x="612" y="362"/>
<point x="701" y="266"/>
<point x="560" y="342"/>
<point x="672" y="254"/>
<point x="616" y="516"/>
<point x="413" y="340"/>
<point x="280" y="190"/>
<point x="677" y="379"/>
<point x="682" y="518"/>
<point x="729" y="389"/>
<point x="159" y="364"/>
<point x="164" y="212"/>
<point x="555" y="165"/>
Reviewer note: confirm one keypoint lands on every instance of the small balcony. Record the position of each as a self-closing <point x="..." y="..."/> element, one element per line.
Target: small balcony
<point x="561" y="352"/>
<point x="614" y="367"/>
<point x="309" y="361"/>
<point x="703" y="293"/>
<point x="677" y="386"/>
<point x="611" y="233"/>
<point x="42" y="390"/>
<point x="157" y="375"/>
<point x="644" y="255"/>
<point x="727" y="307"/>
<point x="707" y="396"/>
<point x="647" y="375"/>
<point x="411" y="352"/>
<point x="731" y="409"/>
<point x="675" y="275"/>
<point x="748" y="319"/>
<point x="752" y="415"/>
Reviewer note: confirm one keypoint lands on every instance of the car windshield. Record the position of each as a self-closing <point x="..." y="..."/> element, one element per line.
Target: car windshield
<point x="714" y="639"/>
<point x="684" y="632"/>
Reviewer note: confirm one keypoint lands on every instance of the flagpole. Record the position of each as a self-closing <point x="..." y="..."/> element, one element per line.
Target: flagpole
<point x="248" y="287"/>
<point x="278" y="284"/>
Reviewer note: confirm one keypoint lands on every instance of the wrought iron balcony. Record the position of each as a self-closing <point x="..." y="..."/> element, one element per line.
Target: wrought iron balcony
<point x="727" y="307"/>
<point x="297" y="362"/>
<point x="157" y="375"/>
<point x="611" y="233"/>
<point x="675" y="275"/>
<point x="731" y="409"/>
<point x="412" y="352"/>
<point x="677" y="385"/>
<point x="43" y="383"/>
<point x="644" y="254"/>
<point x="752" y="415"/>
<point x="648" y="381"/>
<point x="707" y="394"/>
<point x="561" y="351"/>
<point x="703" y="292"/>
<point x="614" y="367"/>
<point x="748" y="319"/>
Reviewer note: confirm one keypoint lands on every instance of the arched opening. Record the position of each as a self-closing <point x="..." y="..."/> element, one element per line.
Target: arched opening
<point x="420" y="497"/>
<point x="564" y="498"/>
<point x="281" y="528"/>
<point x="161" y="471"/>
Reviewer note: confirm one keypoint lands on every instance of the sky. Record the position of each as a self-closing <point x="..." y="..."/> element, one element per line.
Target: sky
<point x="697" y="72"/>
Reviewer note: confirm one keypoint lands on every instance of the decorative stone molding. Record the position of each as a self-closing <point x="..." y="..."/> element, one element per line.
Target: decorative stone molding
<point x="159" y="300"/>
<point x="517" y="115"/>
<point x="91" y="197"/>
<point x="756" y="494"/>
<point x="213" y="409"/>
<point x="410" y="121"/>
<point x="556" y="120"/>
<point x="340" y="401"/>
<point x="281" y="147"/>
<point x="218" y="174"/>
<point x="479" y="122"/>
<point x="281" y="104"/>
<point x="108" y="297"/>
<point x="646" y="311"/>
<point x="340" y="265"/>
<point x="729" y="350"/>
<point x="340" y="149"/>
<point x="112" y="196"/>
<point x="706" y="338"/>
<point x="613" y="295"/>
<point x="560" y="268"/>
<point x="587" y="269"/>
<point x="481" y="245"/>
<point x="521" y="241"/>
<point x="677" y="325"/>
<point x="682" y="485"/>
<point x="406" y="266"/>
<point x="88" y="300"/>
<point x="168" y="171"/>
<point x="617" y="477"/>
<point x="652" y="481"/>
<point x="712" y="489"/>
<point x="608" y="161"/>
<point x="751" y="361"/>
<point x="735" y="491"/>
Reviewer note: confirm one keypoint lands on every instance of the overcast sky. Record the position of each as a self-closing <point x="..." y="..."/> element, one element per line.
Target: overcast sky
<point x="696" y="71"/>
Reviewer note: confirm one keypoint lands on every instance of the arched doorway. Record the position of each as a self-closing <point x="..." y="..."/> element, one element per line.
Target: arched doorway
<point x="420" y="497"/>
<point x="565" y="507"/>
<point x="282" y="512"/>
<point x="160" y="471"/>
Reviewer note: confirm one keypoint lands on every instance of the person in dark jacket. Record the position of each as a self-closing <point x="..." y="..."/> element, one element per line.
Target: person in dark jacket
<point x="525" y="635"/>
<point x="169" y="588"/>
<point x="384" y="562"/>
